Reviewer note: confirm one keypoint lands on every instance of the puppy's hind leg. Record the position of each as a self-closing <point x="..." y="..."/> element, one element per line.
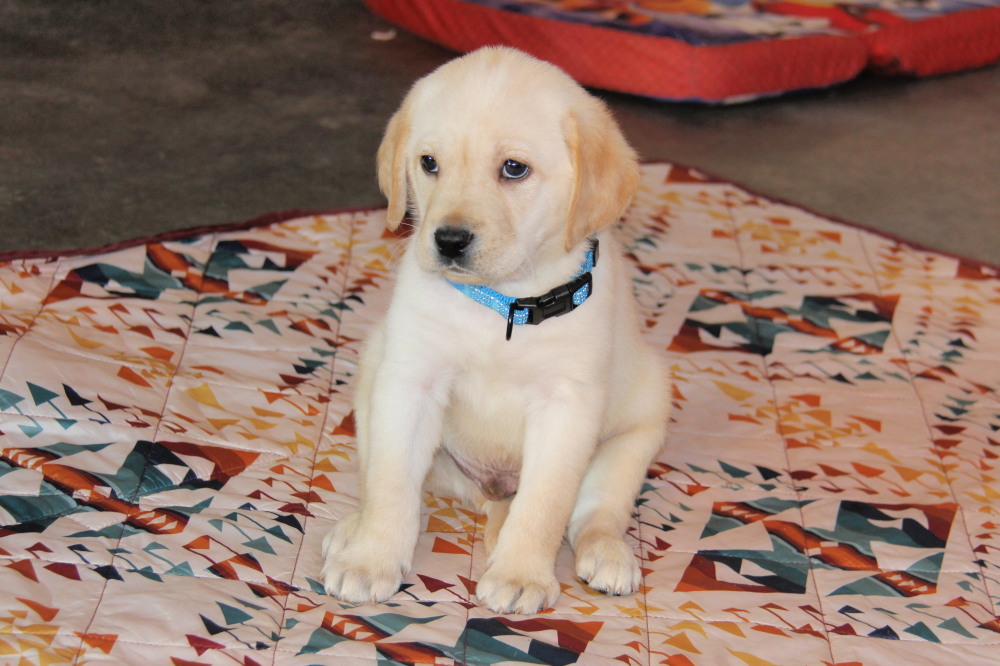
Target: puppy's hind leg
<point x="446" y="478"/>
<point x="496" y="515"/>
<point x="604" y="509"/>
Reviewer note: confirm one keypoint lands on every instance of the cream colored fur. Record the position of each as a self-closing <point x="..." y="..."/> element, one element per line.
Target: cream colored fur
<point x="577" y="404"/>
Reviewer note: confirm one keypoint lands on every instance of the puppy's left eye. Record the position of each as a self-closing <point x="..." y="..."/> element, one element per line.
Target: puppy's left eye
<point x="514" y="170"/>
<point x="429" y="164"/>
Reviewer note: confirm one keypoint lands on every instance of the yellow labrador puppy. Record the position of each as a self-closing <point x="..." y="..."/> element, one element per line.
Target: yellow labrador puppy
<point x="509" y="368"/>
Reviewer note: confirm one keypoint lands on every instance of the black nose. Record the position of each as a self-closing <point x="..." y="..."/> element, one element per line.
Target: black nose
<point x="451" y="240"/>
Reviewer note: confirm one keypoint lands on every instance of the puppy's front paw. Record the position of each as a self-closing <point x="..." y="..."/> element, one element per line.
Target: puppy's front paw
<point x="357" y="571"/>
<point x="515" y="591"/>
<point x="358" y="581"/>
<point x="608" y="565"/>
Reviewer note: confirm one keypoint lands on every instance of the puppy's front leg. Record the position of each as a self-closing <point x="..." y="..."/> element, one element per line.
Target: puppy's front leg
<point x="368" y="552"/>
<point x="560" y="436"/>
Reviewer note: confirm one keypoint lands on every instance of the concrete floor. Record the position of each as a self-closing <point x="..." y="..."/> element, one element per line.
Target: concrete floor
<point x="125" y="118"/>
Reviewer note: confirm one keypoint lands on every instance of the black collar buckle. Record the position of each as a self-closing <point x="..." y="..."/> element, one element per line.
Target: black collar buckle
<point x="558" y="301"/>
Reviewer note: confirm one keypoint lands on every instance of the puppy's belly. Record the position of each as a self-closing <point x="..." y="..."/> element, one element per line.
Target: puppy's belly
<point x="494" y="482"/>
<point x="484" y="434"/>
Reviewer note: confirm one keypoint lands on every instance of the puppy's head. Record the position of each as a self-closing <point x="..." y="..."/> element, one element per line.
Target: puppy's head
<point x="505" y="163"/>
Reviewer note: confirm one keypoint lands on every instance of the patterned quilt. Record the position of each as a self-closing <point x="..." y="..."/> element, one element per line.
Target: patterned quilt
<point x="176" y="438"/>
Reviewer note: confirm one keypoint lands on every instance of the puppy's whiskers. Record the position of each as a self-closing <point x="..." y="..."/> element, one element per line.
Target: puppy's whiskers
<point x="398" y="246"/>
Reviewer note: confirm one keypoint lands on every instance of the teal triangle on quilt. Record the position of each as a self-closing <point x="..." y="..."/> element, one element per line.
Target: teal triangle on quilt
<point x="233" y="615"/>
<point x="9" y="399"/>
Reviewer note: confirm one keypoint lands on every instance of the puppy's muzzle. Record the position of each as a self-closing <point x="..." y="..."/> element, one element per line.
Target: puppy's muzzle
<point x="452" y="242"/>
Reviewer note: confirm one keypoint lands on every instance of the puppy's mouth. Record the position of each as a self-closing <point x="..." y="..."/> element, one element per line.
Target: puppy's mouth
<point x="456" y="269"/>
<point x="467" y="271"/>
<point x="457" y="272"/>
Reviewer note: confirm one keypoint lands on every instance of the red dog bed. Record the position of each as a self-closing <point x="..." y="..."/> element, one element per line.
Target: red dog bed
<point x="716" y="50"/>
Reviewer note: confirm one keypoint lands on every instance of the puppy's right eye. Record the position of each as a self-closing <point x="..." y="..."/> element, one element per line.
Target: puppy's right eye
<point x="429" y="164"/>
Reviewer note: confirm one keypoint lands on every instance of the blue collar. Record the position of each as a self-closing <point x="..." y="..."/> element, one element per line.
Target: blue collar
<point x="564" y="298"/>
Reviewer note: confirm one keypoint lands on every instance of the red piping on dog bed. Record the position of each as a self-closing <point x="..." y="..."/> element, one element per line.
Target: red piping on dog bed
<point x="639" y="64"/>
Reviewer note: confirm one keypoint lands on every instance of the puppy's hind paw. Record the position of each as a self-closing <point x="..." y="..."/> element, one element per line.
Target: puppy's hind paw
<point x="608" y="565"/>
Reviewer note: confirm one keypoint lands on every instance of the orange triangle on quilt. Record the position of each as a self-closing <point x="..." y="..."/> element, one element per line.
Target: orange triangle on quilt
<point x="44" y="612"/>
<point x="130" y="375"/>
<point x="443" y="546"/>
<point x="103" y="642"/>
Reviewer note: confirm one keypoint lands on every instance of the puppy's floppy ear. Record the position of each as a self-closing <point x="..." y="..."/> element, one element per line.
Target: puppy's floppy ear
<point x="605" y="167"/>
<point x="391" y="165"/>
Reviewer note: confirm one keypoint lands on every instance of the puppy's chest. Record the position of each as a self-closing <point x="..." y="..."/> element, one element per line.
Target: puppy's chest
<point x="484" y="428"/>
